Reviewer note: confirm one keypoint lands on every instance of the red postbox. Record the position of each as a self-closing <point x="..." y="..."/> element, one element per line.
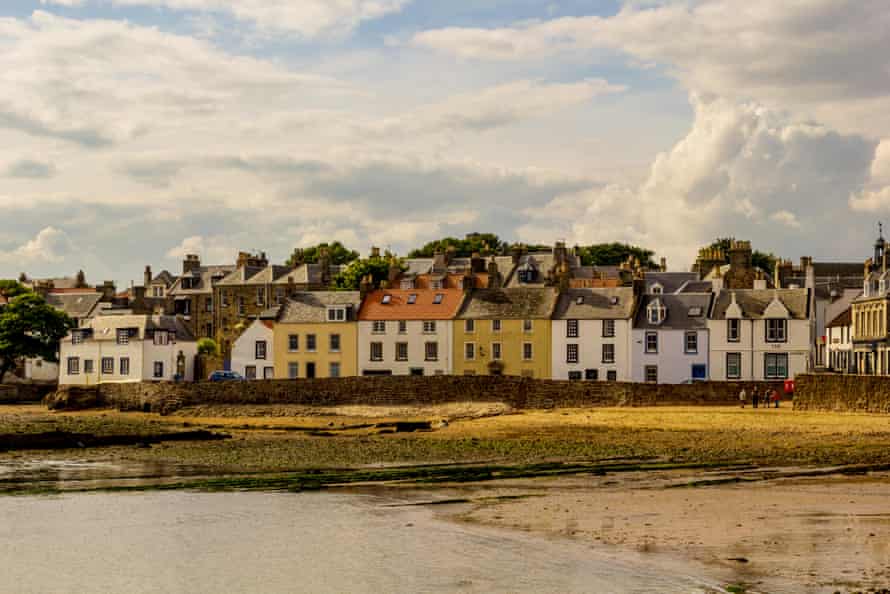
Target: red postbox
<point x="789" y="387"/>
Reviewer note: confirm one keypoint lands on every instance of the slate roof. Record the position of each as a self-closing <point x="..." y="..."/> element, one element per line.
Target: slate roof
<point x="595" y="304"/>
<point x="843" y="302"/>
<point x="596" y="272"/>
<point x="507" y="304"/>
<point x="845" y="318"/>
<point x="269" y="275"/>
<point x="311" y="307"/>
<point x="306" y="274"/>
<point x="76" y="305"/>
<point x="204" y="284"/>
<point x="671" y="281"/>
<point x="241" y="276"/>
<point x="163" y="277"/>
<point x="678" y="310"/>
<point x="104" y="327"/>
<point x="755" y="302"/>
<point x="400" y="308"/>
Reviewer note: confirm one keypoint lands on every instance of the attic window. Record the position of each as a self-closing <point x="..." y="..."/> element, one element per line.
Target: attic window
<point x="656" y="313"/>
<point x="580" y="300"/>
<point x="438" y="299"/>
<point x="412" y="298"/>
<point x="614" y="300"/>
<point x="387" y="299"/>
<point x="695" y="312"/>
<point x="657" y="289"/>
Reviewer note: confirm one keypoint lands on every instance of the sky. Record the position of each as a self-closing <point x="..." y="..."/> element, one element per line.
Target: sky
<point x="138" y="131"/>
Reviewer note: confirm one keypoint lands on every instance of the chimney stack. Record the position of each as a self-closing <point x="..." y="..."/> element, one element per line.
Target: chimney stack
<point x="494" y="276"/>
<point x="375" y="252"/>
<point x="191" y="263"/>
<point x="366" y="286"/>
<point x="664" y="265"/>
<point x="147" y="277"/>
<point x="108" y="291"/>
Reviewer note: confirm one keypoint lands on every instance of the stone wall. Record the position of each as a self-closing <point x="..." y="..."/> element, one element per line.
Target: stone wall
<point x="375" y="391"/>
<point x="842" y="393"/>
<point x="24" y="393"/>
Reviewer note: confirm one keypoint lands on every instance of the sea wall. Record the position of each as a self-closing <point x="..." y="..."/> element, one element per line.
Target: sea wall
<point x="842" y="393"/>
<point x="518" y="392"/>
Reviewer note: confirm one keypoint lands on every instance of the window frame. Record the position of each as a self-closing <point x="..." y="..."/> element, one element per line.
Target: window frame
<point x="157" y="370"/>
<point x="124" y="366"/>
<point x="122" y="336"/>
<point x="773" y="337"/>
<point x="738" y="374"/>
<point x="73" y="365"/>
<point x="293" y="343"/>
<point x="528" y="326"/>
<point x="88" y="368"/>
<point x="497" y="351"/>
<point x="334" y="343"/>
<point x="402" y="352"/>
<point x="431" y="351"/>
<point x="573" y="353"/>
<point x="339" y="369"/>
<point x="260" y="350"/>
<point x="573" y="329"/>
<point x="608" y="328"/>
<point x="687" y="348"/>
<point x="528" y="351"/>
<point x="378" y="327"/>
<point x="496" y="326"/>
<point x="608" y="347"/>
<point x="293" y="370"/>
<point x="469" y="351"/>
<point x="733" y="330"/>
<point x="378" y="356"/>
<point x="311" y="343"/>
<point x="777" y="357"/>
<point x="469" y="326"/>
<point x="651" y="350"/>
<point x="646" y="374"/>
<point x="430" y="326"/>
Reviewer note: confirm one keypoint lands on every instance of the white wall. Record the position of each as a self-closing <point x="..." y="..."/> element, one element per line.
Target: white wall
<point x="754" y="347"/>
<point x="840" y="348"/>
<point x="590" y="350"/>
<point x="244" y="350"/>
<point x="167" y="354"/>
<point x="674" y="365"/>
<point x="416" y="339"/>
<point x="96" y="350"/>
<point x="39" y="370"/>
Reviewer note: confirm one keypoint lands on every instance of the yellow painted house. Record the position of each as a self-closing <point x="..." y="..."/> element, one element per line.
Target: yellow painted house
<point x="505" y="332"/>
<point x="317" y="335"/>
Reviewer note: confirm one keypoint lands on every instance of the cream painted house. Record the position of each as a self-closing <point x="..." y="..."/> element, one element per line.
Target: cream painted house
<point x="591" y="334"/>
<point x="128" y="348"/>
<point x="760" y="335"/>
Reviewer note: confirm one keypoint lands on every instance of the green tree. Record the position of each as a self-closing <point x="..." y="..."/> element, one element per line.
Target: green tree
<point x="613" y="254"/>
<point x="208" y="347"/>
<point x="473" y="243"/>
<point x="338" y="253"/>
<point x="29" y="327"/>
<point x="351" y="277"/>
<point x="763" y="260"/>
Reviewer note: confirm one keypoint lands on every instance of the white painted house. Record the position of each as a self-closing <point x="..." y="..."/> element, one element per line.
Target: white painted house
<point x="252" y="353"/>
<point x="407" y="332"/>
<point x="839" y="342"/>
<point x="591" y="334"/>
<point x="128" y="348"/>
<point x="760" y="334"/>
<point x="670" y="339"/>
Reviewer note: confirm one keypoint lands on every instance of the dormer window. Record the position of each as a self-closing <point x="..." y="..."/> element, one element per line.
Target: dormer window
<point x="436" y="284"/>
<point x="161" y="338"/>
<point x="407" y="284"/>
<point x="657" y="289"/>
<point x="527" y="274"/>
<point x="656" y="313"/>
<point x="437" y="300"/>
<point x="387" y="299"/>
<point x="336" y="314"/>
<point x="412" y="298"/>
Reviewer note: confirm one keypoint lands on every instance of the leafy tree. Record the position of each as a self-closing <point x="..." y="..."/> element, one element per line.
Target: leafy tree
<point x="338" y="253"/>
<point x="351" y="278"/>
<point x="463" y="248"/>
<point x="208" y="347"/>
<point x="763" y="260"/>
<point x="613" y="254"/>
<point x="29" y="327"/>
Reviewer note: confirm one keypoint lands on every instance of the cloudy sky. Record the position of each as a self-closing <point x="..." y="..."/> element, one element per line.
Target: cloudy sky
<point x="136" y="131"/>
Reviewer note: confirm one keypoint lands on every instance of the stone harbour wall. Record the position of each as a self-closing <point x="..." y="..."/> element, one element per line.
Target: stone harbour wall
<point x="520" y="393"/>
<point x="842" y="393"/>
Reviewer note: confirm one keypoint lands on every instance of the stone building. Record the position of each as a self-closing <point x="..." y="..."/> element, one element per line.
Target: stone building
<point x="192" y="294"/>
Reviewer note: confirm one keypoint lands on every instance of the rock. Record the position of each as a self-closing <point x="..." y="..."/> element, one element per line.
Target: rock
<point x="73" y="398"/>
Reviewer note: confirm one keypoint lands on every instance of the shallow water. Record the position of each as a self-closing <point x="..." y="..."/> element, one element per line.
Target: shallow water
<point x="199" y="543"/>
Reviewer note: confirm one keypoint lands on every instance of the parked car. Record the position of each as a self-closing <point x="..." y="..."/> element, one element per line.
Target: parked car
<point x="225" y="376"/>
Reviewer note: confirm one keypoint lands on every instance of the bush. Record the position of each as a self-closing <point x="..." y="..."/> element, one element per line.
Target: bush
<point x="208" y="347"/>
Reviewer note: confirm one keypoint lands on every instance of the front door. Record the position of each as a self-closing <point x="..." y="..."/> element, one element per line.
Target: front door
<point x="310" y="370"/>
<point x="699" y="372"/>
<point x="417" y="371"/>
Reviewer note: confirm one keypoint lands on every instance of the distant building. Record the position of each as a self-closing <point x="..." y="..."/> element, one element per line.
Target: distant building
<point x="253" y="354"/>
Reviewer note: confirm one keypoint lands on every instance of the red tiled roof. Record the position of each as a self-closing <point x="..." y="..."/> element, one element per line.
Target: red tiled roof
<point x="424" y="307"/>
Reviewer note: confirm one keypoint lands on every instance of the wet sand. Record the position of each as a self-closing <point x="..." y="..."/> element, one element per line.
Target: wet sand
<point x="813" y="535"/>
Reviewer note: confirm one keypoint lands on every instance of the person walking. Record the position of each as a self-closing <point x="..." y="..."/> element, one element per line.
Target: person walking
<point x="743" y="396"/>
<point x="754" y="398"/>
<point x="777" y="396"/>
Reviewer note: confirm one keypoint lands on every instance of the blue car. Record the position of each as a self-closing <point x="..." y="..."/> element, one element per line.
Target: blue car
<point x="225" y="376"/>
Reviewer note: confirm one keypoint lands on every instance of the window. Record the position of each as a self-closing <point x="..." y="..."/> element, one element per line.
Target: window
<point x="776" y="366"/>
<point x="572" y="329"/>
<point x="733" y="365"/>
<point x="268" y="373"/>
<point x="334" y="369"/>
<point x="123" y="336"/>
<point x="437" y="300"/>
<point x="575" y="376"/>
<point x="158" y="370"/>
<point x="608" y="328"/>
<point x="651" y="342"/>
<point x="436" y="283"/>
<point x="470" y="351"/>
<point x="591" y="375"/>
<point x="376" y="351"/>
<point x="651" y="374"/>
<point x="73" y="366"/>
<point x="469" y="326"/>
<point x="293" y="342"/>
<point x="733" y="330"/>
<point x="293" y="370"/>
<point x="495" y="351"/>
<point x="337" y="314"/>
<point x="527" y="325"/>
<point x="334" y="341"/>
<point x="241" y="306"/>
<point x="776" y="330"/>
<point x="691" y="343"/>
<point x="88" y="366"/>
<point x="656" y="313"/>
<point x="528" y="352"/>
<point x="495" y="325"/>
<point x="412" y="299"/>
<point x="431" y="351"/>
<point x="571" y="353"/>
<point x="612" y="375"/>
<point x="403" y="327"/>
<point x="161" y="338"/>
<point x="657" y="289"/>
<point x="260" y="350"/>
<point x="279" y="295"/>
<point x="125" y="366"/>
<point x="260" y="300"/>
<point x="224" y="297"/>
<point x="186" y="307"/>
<point x="608" y="353"/>
<point x="429" y="327"/>
<point x="401" y="351"/>
<point x="311" y="343"/>
<point x="250" y="372"/>
<point x="208" y="304"/>
<point x="107" y="365"/>
<point x="76" y="337"/>
<point x="379" y="327"/>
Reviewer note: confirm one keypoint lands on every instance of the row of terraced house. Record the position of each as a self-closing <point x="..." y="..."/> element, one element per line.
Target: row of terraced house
<point x="538" y="314"/>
